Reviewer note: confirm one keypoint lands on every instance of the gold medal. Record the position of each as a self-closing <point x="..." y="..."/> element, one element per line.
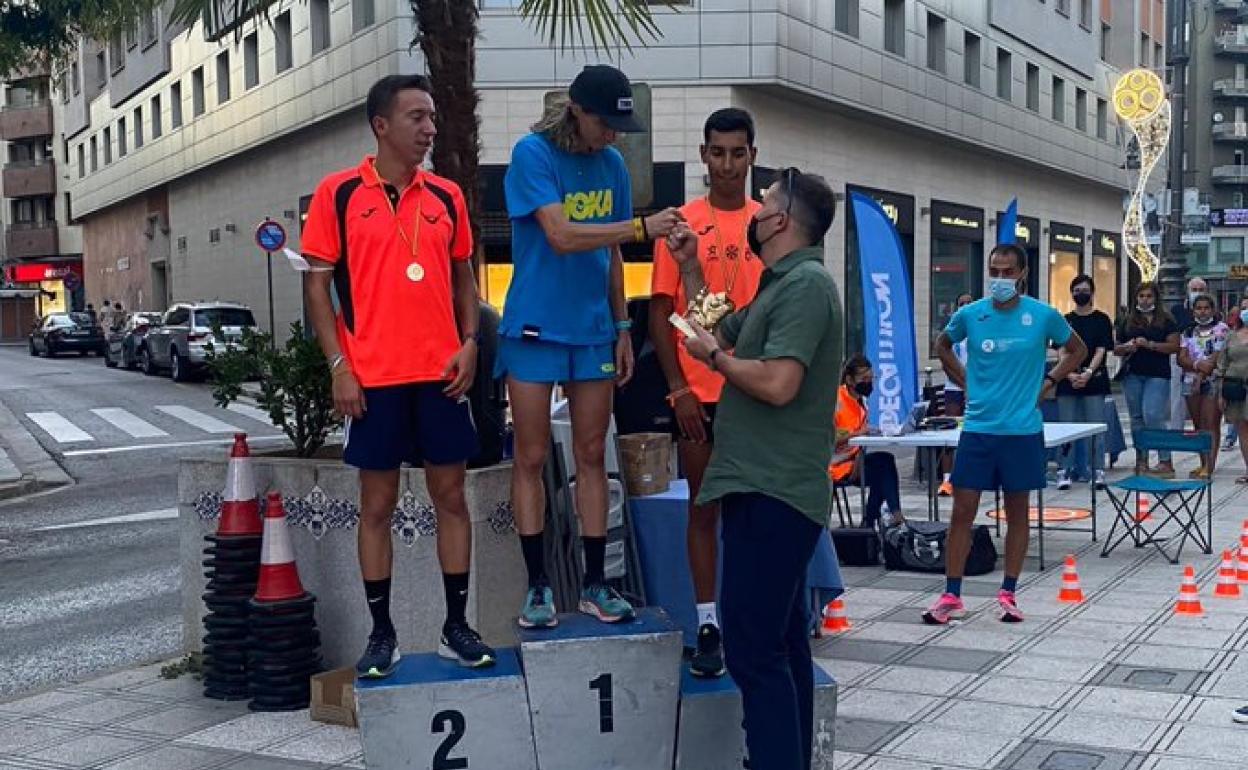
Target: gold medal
<point x="415" y="273"/>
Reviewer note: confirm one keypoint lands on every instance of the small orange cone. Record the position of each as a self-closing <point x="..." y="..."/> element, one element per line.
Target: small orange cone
<point x="1242" y="569"/>
<point x="240" y="508"/>
<point x="835" y="621"/>
<point x="1243" y="535"/>
<point x="1228" y="585"/>
<point x="279" y="577"/>
<point x="1189" y="595"/>
<point x="1143" y="511"/>
<point x="1071" y="591"/>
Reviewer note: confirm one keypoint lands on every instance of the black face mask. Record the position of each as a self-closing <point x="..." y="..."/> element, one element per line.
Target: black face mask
<point x="864" y="389"/>
<point x="751" y="235"/>
<point x="1082" y="298"/>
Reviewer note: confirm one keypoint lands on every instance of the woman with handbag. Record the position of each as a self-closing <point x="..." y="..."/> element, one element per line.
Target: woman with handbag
<point x="1147" y="339"/>
<point x="1202" y="342"/>
<point x="1233" y="374"/>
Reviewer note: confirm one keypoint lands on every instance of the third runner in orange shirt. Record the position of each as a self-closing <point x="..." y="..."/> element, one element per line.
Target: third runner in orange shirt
<point x="720" y="219"/>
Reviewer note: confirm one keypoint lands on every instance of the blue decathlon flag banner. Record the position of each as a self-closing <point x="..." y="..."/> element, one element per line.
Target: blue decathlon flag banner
<point x="1007" y="225"/>
<point x="888" y="316"/>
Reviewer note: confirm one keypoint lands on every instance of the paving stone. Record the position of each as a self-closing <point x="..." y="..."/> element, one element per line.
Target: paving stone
<point x="848" y="673"/>
<point x="1117" y="701"/>
<point x="1226" y="684"/>
<point x="1047" y="755"/>
<point x="26" y="735"/>
<point x="874" y="595"/>
<point x="88" y="750"/>
<point x="952" y="659"/>
<point x="1172" y="680"/>
<point x="924" y="681"/>
<point x="880" y="705"/>
<point x="171" y="758"/>
<point x="1177" y="636"/>
<point x="1219" y="616"/>
<point x="1111" y="614"/>
<point x="253" y="731"/>
<point x="1186" y="763"/>
<point x="911" y="614"/>
<point x="326" y="743"/>
<point x="1114" y="732"/>
<point x="1202" y="742"/>
<point x="1075" y="647"/>
<point x="982" y="717"/>
<point x="183" y="688"/>
<point x="892" y="763"/>
<point x="895" y="582"/>
<point x="1151" y="655"/>
<point x="125" y="680"/>
<point x="1020" y="692"/>
<point x="866" y="651"/>
<point x="1086" y="628"/>
<point x="1213" y="711"/>
<point x="273" y="763"/>
<point x="866" y="736"/>
<point x="939" y="747"/>
<point x="107" y="710"/>
<point x="53" y="700"/>
<point x="908" y="633"/>
<point x="173" y="721"/>
<point x="847" y="760"/>
<point x="1031" y="666"/>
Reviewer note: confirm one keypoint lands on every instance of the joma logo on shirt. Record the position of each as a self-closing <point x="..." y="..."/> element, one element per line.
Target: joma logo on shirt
<point x="587" y="205"/>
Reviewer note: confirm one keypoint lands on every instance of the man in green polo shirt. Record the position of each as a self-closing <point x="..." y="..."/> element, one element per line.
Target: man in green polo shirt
<point x="768" y="470"/>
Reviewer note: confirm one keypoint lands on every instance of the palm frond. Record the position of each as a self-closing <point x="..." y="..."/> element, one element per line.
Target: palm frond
<point x="609" y="24"/>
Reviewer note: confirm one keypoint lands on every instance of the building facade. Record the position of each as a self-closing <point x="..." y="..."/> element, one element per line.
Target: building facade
<point x="943" y="110"/>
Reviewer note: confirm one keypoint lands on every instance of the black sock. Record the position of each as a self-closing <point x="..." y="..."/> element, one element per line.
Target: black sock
<point x="456" y="587"/>
<point x="534" y="548"/>
<point x="378" y="594"/>
<point x="595" y="556"/>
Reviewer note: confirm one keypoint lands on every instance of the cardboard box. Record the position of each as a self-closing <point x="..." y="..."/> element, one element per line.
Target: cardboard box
<point x="333" y="698"/>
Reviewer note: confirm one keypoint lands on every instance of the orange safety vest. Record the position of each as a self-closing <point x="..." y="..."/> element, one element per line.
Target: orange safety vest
<point x="851" y="416"/>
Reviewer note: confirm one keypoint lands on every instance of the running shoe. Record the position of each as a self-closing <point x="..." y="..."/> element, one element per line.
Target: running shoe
<point x="1229" y="441"/>
<point x="1063" y="480"/>
<point x="380" y="656"/>
<point x="708" y="658"/>
<point x="946" y="489"/>
<point x="1100" y="480"/>
<point x="948" y="607"/>
<point x="1010" y="613"/>
<point x="605" y="603"/>
<point x="460" y="643"/>
<point x="1240" y="715"/>
<point x="1163" y="470"/>
<point x="539" y="608"/>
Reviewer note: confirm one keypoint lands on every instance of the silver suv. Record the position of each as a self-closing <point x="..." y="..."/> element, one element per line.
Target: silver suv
<point x="179" y="344"/>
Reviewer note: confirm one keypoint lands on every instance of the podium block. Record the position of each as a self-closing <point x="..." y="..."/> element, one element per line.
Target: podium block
<point x="709" y="735"/>
<point x="604" y="697"/>
<point x="433" y="714"/>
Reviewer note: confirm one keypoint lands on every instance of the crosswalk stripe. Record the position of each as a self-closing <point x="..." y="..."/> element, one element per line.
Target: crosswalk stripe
<point x="129" y="423"/>
<point x="60" y="429"/>
<point x="250" y="411"/>
<point x="198" y="419"/>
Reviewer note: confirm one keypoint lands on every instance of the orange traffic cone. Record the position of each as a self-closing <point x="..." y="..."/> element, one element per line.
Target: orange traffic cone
<point x="1071" y="591"/>
<point x="835" y="621"/>
<point x="1143" y="511"/>
<point x="240" y="508"/>
<point x="1189" y="595"/>
<point x="1228" y="585"/>
<point x="1243" y="534"/>
<point x="1242" y="569"/>
<point x="279" y="577"/>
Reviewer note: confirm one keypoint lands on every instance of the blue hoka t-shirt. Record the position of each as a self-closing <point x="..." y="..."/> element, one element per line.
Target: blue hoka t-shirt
<point x="1005" y="352"/>
<point x="561" y="297"/>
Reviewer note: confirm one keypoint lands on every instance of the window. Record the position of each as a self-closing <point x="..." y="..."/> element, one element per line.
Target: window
<point x="138" y="127"/>
<point x="223" y="77"/>
<point x="75" y="79"/>
<point x="1005" y="75"/>
<point x="845" y="17"/>
<point x="251" y="61"/>
<point x="1081" y="109"/>
<point x="318" y="24"/>
<point x="1085" y="13"/>
<point x="1102" y="119"/>
<point x="970" y="59"/>
<point x="1063" y="7"/>
<point x="101" y="69"/>
<point x="1229" y="251"/>
<point x="108" y="146"/>
<point x="121" y="137"/>
<point x="197" y="92"/>
<point x="1059" y="99"/>
<point x="281" y="42"/>
<point x="1159" y="56"/>
<point x="157" y="118"/>
<point x="148" y="29"/>
<point x="116" y="54"/>
<point x="362" y="14"/>
<point x="82" y="161"/>
<point x="175" y="105"/>
<point x="95" y="155"/>
<point x="1237" y="199"/>
<point x="1033" y="88"/>
<point x="62" y="87"/>
<point x="1105" y="38"/>
<point x="132" y="37"/>
<point x="895" y="26"/>
<point x="1145" y="49"/>
<point x="935" y="43"/>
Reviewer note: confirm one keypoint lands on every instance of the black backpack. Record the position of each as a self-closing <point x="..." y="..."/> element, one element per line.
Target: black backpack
<point x="920" y="547"/>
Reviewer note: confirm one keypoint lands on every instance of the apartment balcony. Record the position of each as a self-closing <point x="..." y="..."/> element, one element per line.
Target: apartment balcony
<point x="1233" y="43"/>
<point x="1230" y="132"/>
<point x="1230" y="88"/>
<point x="1233" y="174"/>
<point x="25" y="121"/>
<point x="1229" y="5"/>
<point x="30" y="178"/>
<point x="31" y="239"/>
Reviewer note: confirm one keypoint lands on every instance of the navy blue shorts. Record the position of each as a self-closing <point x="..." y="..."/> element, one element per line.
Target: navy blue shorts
<point x="413" y="424"/>
<point x="986" y="461"/>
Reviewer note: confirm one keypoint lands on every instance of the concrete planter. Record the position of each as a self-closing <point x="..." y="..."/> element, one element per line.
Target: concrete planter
<point x="321" y="500"/>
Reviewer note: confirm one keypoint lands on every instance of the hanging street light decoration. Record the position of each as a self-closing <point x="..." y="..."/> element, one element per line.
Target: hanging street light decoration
<point x="1140" y="101"/>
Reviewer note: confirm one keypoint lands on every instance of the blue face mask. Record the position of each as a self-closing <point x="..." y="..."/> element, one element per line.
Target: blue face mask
<point x="1002" y="289"/>
<point x="1243" y="316"/>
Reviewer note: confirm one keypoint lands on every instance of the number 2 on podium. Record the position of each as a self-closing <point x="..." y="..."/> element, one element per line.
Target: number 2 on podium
<point x="458" y="725"/>
<point x="606" y="720"/>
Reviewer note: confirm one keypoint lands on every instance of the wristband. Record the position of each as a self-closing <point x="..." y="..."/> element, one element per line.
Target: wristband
<point x="675" y="395"/>
<point x="639" y="230"/>
<point x="337" y="361"/>
<point x="623" y="325"/>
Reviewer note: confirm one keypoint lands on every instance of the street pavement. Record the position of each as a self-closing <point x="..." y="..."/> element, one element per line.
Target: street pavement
<point x="88" y="569"/>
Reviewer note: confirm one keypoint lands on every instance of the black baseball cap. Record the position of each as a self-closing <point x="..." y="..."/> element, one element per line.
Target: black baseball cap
<point x="605" y="91"/>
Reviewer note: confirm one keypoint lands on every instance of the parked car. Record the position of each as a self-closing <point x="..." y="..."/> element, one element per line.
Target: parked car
<point x="179" y="344"/>
<point x="66" y="332"/>
<point x="123" y="340"/>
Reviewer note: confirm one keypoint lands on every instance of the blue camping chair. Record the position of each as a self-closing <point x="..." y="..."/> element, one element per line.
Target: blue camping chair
<point x="1175" y="501"/>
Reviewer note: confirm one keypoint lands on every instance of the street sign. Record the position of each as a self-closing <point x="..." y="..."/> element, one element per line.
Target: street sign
<point x="270" y="236"/>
